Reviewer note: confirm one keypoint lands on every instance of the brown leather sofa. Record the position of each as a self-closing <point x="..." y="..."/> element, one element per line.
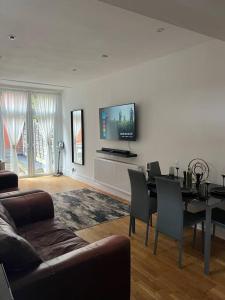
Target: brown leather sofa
<point x="8" y="181"/>
<point x="44" y="260"/>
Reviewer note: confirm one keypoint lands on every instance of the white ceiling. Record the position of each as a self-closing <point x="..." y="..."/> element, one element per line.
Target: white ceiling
<point x="203" y="16"/>
<point x="55" y="36"/>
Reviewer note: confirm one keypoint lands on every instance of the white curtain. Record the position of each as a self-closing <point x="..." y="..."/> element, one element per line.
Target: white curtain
<point x="14" y="109"/>
<point x="45" y="109"/>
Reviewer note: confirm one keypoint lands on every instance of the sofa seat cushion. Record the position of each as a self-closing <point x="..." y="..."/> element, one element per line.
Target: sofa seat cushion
<point x="51" y="238"/>
<point x="46" y="233"/>
<point x="47" y="253"/>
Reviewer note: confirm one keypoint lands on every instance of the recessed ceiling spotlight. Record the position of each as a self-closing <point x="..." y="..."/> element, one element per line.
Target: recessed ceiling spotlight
<point x="12" y="37"/>
<point x="105" y="56"/>
<point x="161" y="29"/>
<point x="74" y="70"/>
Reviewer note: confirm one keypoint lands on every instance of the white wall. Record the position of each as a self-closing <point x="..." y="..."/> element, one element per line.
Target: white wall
<point x="181" y="109"/>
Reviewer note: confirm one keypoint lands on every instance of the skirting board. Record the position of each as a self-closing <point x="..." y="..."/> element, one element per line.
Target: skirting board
<point x="101" y="186"/>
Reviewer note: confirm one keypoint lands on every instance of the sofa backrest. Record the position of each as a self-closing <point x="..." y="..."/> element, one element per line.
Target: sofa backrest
<point x="29" y="207"/>
<point x="8" y="181"/>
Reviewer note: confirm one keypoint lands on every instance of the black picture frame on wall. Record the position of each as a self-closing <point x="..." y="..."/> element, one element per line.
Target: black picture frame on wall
<point x="77" y="136"/>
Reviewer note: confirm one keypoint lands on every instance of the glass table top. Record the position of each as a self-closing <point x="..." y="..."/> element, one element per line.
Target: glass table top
<point x="196" y="197"/>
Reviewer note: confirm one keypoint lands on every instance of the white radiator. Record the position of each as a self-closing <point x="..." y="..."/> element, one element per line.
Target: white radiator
<point x="113" y="174"/>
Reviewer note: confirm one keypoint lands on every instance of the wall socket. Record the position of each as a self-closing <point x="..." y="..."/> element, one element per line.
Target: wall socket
<point x="141" y="168"/>
<point x="73" y="170"/>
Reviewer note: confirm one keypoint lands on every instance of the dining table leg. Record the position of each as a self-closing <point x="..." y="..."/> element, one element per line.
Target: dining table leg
<point x="207" y="246"/>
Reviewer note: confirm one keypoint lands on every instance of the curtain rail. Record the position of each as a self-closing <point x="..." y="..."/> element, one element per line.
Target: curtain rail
<point x="30" y="89"/>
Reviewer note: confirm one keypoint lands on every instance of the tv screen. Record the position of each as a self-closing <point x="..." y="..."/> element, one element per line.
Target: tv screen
<point x="118" y="122"/>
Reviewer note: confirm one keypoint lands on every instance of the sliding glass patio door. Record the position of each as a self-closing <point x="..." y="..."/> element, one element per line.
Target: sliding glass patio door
<point x="28" y="130"/>
<point x="43" y="107"/>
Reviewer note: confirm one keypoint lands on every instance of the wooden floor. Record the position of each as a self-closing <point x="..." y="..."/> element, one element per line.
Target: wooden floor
<point x="154" y="277"/>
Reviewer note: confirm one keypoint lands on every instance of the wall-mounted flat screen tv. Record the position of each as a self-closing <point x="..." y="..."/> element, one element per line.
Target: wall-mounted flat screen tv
<point x="118" y="122"/>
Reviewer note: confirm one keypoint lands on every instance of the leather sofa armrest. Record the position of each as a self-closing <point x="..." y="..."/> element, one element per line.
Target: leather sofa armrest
<point x="8" y="181"/>
<point x="98" y="271"/>
<point x="31" y="207"/>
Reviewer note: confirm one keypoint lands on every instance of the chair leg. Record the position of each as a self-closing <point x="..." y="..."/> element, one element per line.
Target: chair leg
<point x="156" y="241"/>
<point x="133" y="225"/>
<point x="214" y="230"/>
<point x="147" y="233"/>
<point x="151" y="220"/>
<point x="203" y="236"/>
<point x="180" y="253"/>
<point x="130" y="225"/>
<point x="194" y="235"/>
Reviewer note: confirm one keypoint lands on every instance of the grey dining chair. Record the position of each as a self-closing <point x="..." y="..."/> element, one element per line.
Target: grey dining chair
<point x="142" y="205"/>
<point x="218" y="218"/>
<point x="153" y="169"/>
<point x="171" y="216"/>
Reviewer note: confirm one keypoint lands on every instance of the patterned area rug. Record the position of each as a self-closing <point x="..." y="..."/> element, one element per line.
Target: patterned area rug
<point x="84" y="208"/>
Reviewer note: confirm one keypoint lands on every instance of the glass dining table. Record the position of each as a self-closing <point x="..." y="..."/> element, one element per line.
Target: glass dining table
<point x="196" y="203"/>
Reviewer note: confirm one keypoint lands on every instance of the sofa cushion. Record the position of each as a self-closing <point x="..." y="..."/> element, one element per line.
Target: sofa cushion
<point x="46" y="233"/>
<point x="55" y="250"/>
<point x="15" y="252"/>
<point x="51" y="238"/>
<point x="4" y="214"/>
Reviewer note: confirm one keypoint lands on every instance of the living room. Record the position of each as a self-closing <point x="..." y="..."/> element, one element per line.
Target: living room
<point x="73" y="183"/>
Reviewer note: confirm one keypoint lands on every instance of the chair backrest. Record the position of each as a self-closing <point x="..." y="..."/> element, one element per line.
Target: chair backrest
<point x="170" y="207"/>
<point x="140" y="199"/>
<point x="153" y="169"/>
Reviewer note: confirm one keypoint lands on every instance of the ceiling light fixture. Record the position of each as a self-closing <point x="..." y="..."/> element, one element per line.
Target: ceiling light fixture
<point x="105" y="56"/>
<point x="12" y="37"/>
<point x="161" y="29"/>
